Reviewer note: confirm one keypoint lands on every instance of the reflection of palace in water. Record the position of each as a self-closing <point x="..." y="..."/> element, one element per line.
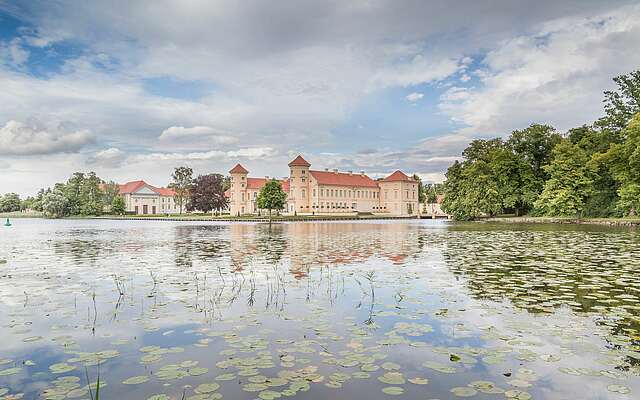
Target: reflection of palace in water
<point x="305" y="245"/>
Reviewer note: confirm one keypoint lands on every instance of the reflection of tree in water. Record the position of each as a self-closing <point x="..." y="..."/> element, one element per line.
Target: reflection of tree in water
<point x="203" y="242"/>
<point x="271" y="242"/>
<point x="85" y="251"/>
<point x="539" y="271"/>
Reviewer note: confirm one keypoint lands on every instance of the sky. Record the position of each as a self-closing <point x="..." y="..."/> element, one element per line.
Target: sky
<point x="131" y="90"/>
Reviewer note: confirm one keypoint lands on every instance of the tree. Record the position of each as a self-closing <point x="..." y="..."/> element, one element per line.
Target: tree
<point x="110" y="191"/>
<point x="91" y="202"/>
<point x="54" y="204"/>
<point x="72" y="193"/>
<point x="569" y="184"/>
<point x="595" y="141"/>
<point x="272" y="197"/>
<point x="207" y="193"/>
<point x="533" y="146"/>
<point x="27" y="204"/>
<point x="624" y="162"/>
<point x="118" y="205"/>
<point x="182" y="183"/>
<point x="10" y="202"/>
<point x="622" y="104"/>
<point x="421" y="194"/>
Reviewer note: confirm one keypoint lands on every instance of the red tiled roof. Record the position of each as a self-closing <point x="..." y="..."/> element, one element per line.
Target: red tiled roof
<point x="238" y="169"/>
<point x="398" y="176"/>
<point x="342" y="179"/>
<point x="131" y="187"/>
<point x="165" y="191"/>
<point x="299" y="162"/>
<point x="256" y="183"/>
<point x="285" y="185"/>
<point x="134" y="186"/>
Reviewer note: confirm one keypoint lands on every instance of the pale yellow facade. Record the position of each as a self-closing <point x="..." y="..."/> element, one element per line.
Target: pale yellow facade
<point x="328" y="192"/>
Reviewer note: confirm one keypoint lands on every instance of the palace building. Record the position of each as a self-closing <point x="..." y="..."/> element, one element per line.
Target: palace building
<point x="142" y="198"/>
<point x="328" y="192"/>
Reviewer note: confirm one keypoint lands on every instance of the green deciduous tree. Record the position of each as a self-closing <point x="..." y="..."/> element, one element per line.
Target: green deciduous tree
<point x="182" y="184"/>
<point x="10" y="202"/>
<point x="91" y="197"/>
<point x="624" y="162"/>
<point x="272" y="197"/>
<point x="622" y="104"/>
<point x="421" y="193"/>
<point x="54" y="204"/>
<point x="570" y="181"/>
<point x="118" y="205"/>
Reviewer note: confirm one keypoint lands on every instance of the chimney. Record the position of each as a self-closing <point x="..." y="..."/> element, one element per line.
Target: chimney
<point x="266" y="177"/>
<point x="350" y="172"/>
<point x="335" y="170"/>
<point x="326" y="170"/>
<point x="362" y="173"/>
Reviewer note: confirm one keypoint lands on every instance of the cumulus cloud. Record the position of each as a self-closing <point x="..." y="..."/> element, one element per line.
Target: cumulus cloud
<point x="289" y="76"/>
<point x="110" y="158"/>
<point x="414" y="97"/>
<point x="250" y="153"/>
<point x="554" y="75"/>
<point x="17" y="138"/>
<point x="180" y="133"/>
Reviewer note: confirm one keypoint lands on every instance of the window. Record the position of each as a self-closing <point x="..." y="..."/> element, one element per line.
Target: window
<point x="395" y="194"/>
<point x="303" y="180"/>
<point x="303" y="172"/>
<point x="304" y="193"/>
<point x="242" y="196"/>
<point x="255" y="195"/>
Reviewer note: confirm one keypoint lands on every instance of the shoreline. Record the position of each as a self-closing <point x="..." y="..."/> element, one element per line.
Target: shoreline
<point x="628" y="222"/>
<point x="251" y="219"/>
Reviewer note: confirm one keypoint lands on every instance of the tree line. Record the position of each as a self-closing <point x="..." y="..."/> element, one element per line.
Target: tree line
<point x="589" y="171"/>
<point x="85" y="194"/>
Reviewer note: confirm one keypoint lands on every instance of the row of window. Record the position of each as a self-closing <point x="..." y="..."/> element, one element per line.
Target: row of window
<point x="341" y="205"/>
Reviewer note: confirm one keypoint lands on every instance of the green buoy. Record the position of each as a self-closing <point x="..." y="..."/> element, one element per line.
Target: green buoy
<point x="8" y="223"/>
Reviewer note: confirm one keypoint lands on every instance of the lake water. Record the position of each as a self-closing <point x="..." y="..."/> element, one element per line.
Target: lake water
<point x="371" y="310"/>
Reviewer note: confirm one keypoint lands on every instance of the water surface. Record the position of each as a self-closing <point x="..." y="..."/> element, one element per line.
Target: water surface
<point x="401" y="309"/>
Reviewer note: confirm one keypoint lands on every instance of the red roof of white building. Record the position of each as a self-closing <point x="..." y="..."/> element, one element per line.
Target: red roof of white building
<point x="342" y="179"/>
<point x="134" y="186"/>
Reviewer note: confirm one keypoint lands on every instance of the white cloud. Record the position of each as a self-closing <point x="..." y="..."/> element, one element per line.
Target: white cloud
<point x="180" y="133"/>
<point x="17" y="138"/>
<point x="414" y="97"/>
<point x="250" y="153"/>
<point x="13" y="53"/>
<point x="110" y="158"/>
<point x="555" y="75"/>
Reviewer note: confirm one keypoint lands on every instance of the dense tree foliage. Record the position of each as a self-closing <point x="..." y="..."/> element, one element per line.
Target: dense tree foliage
<point x="591" y="171"/>
<point x="569" y="185"/>
<point x="10" y="202"/>
<point x="272" y="197"/>
<point x="624" y="163"/>
<point x="207" y="193"/>
<point x="422" y="196"/>
<point x="118" y="206"/>
<point x="182" y="185"/>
